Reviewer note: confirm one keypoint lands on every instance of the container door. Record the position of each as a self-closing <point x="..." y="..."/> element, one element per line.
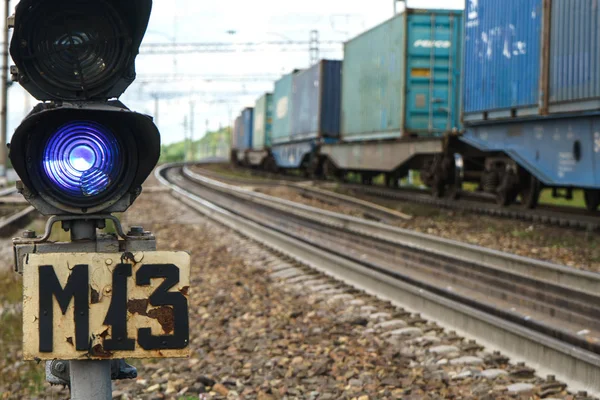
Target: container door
<point x="432" y="81"/>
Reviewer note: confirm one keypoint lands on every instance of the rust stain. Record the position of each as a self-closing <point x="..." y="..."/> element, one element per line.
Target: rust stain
<point x="164" y="315"/>
<point x="138" y="307"/>
<point x="70" y="340"/>
<point x="185" y="290"/>
<point x="98" y="351"/>
<point x="127" y="256"/>
<point x="95" y="296"/>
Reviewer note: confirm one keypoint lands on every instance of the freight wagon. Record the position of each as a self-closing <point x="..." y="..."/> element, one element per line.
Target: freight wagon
<point x="243" y="129"/>
<point x="307" y="116"/>
<point x="532" y="96"/>
<point x="509" y="101"/>
<point x="400" y="95"/>
<point x="259" y="154"/>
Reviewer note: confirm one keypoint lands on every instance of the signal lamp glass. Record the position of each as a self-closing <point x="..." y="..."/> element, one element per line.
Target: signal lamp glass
<point x="77" y="47"/>
<point x="82" y="159"/>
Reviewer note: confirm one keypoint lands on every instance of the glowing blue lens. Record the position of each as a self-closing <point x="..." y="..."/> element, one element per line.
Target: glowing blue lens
<point x="82" y="159"/>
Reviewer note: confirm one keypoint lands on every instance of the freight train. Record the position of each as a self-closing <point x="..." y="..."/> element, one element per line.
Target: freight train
<point x="504" y="96"/>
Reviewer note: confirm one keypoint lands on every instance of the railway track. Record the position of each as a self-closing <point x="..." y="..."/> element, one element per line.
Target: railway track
<point x="566" y="217"/>
<point x="19" y="214"/>
<point x="308" y="189"/>
<point x="540" y="313"/>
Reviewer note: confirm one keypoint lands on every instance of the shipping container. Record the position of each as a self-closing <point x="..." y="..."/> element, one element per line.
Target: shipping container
<point x="247" y="128"/>
<point x="316" y="101"/>
<point x="574" y="81"/>
<point x="237" y="133"/>
<point x="523" y="61"/>
<point x="502" y="54"/>
<point x="282" y="103"/>
<point x="263" y="119"/>
<point x="402" y="78"/>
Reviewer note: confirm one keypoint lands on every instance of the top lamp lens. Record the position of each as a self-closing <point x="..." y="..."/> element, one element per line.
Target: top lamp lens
<point x="76" y="49"/>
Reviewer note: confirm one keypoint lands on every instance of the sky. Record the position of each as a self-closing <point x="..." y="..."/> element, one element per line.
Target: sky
<point x="212" y="88"/>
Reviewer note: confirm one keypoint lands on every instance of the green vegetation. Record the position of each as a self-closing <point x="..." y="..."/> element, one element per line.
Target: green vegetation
<point x="578" y="199"/>
<point x="30" y="375"/>
<point x="212" y="144"/>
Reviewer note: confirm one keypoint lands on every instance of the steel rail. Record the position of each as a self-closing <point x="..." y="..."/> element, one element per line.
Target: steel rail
<point x="579" y="367"/>
<point x="477" y="204"/>
<point x="306" y="188"/>
<point x="578" y="219"/>
<point x="17" y="220"/>
<point x="584" y="281"/>
<point x="8" y="191"/>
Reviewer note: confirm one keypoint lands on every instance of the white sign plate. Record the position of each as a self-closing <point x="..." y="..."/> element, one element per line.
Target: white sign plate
<point x="106" y="306"/>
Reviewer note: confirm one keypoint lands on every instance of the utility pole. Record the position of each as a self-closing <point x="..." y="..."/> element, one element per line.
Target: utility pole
<point x="156" y="108"/>
<point x="206" y="134"/>
<point x="4" y="112"/>
<point x="314" y="47"/>
<point x="192" y="106"/>
<point x="186" y="140"/>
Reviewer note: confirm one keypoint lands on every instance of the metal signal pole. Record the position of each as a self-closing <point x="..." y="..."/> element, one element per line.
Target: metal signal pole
<point x="4" y="111"/>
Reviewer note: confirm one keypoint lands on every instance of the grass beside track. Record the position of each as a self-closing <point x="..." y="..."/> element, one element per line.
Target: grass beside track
<point x="28" y="375"/>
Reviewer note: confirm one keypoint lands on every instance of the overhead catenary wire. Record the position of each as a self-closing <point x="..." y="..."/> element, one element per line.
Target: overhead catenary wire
<point x="235" y="47"/>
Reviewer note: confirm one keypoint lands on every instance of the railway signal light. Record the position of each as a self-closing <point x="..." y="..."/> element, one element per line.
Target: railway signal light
<point x="81" y="151"/>
<point x="82" y="155"/>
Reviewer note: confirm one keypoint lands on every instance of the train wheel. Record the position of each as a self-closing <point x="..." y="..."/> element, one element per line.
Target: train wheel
<point x="530" y="194"/>
<point x="438" y="188"/>
<point x="506" y="193"/>
<point x="454" y="189"/>
<point x="330" y="171"/>
<point x="592" y="199"/>
<point x="270" y="165"/>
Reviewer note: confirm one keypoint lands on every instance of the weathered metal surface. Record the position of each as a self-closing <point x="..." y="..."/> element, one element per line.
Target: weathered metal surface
<point x="402" y="77"/>
<point x="575" y="52"/>
<point x="383" y="156"/>
<point x="282" y="103"/>
<point x="263" y="121"/>
<point x="502" y="54"/>
<point x="559" y="152"/>
<point x="109" y="302"/>
<point x="316" y="100"/>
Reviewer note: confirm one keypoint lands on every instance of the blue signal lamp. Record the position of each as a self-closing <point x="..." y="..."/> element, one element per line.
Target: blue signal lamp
<point x="83" y="159"/>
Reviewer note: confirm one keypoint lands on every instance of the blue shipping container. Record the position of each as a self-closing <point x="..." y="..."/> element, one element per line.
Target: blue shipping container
<point x="316" y="100"/>
<point x="502" y="54"/>
<point x="247" y="128"/>
<point x="574" y="55"/>
<point x="282" y="101"/>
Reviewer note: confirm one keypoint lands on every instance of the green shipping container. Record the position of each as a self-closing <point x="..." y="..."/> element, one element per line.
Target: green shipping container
<point x="402" y="78"/>
<point x="282" y="106"/>
<point x="263" y="120"/>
